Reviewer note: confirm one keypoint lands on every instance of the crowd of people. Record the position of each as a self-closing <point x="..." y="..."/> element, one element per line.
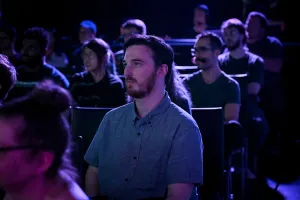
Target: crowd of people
<point x="149" y="146"/>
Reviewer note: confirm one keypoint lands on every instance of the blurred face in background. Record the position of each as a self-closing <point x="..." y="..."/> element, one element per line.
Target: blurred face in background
<point x="205" y="56"/>
<point x="199" y="20"/>
<point x="233" y="38"/>
<point x="31" y="52"/>
<point x="85" y="35"/>
<point x="254" y="28"/>
<point x="90" y="60"/>
<point x="17" y="167"/>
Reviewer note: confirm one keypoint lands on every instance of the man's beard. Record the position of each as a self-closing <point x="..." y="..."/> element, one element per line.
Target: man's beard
<point x="147" y="87"/>
<point x="234" y="46"/>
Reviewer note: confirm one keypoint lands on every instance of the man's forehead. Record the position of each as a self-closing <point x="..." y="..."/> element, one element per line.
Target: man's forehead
<point x="137" y="52"/>
<point x="202" y="42"/>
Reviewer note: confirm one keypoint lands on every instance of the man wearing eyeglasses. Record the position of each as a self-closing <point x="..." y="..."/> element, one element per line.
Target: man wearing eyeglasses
<point x="211" y="87"/>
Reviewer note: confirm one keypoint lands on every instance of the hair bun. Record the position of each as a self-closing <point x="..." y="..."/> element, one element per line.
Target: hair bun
<point x="51" y="97"/>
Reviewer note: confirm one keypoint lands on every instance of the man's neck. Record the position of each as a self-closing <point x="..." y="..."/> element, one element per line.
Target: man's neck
<point x="210" y="75"/>
<point x="35" y="67"/>
<point x="255" y="39"/>
<point x="33" y="189"/>
<point x="147" y="104"/>
<point x="238" y="52"/>
<point x="98" y="74"/>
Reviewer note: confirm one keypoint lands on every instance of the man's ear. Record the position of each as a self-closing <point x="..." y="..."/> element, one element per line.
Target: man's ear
<point x="163" y="70"/>
<point x="43" y="160"/>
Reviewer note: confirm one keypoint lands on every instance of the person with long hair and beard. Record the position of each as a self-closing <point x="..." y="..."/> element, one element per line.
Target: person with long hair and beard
<point x="156" y="143"/>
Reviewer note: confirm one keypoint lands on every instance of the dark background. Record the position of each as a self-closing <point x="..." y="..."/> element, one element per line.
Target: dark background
<point x="161" y="16"/>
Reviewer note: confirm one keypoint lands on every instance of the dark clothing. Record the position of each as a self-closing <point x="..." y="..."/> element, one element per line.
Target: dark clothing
<point x="251" y="65"/>
<point x="15" y="60"/>
<point x="109" y="92"/>
<point x="76" y="62"/>
<point x="45" y="72"/>
<point x="222" y="91"/>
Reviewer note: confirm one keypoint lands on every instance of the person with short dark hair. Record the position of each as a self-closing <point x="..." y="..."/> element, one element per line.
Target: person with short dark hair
<point x="240" y="62"/>
<point x="98" y="86"/>
<point x="8" y="77"/>
<point x="34" y="67"/>
<point x="35" y="146"/>
<point x="129" y="28"/>
<point x="271" y="50"/>
<point x="211" y="87"/>
<point x="156" y="143"/>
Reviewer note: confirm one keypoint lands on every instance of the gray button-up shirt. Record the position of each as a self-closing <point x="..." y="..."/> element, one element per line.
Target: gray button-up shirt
<point x="139" y="158"/>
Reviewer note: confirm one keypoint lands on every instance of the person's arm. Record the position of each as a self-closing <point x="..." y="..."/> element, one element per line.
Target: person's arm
<point x="91" y="182"/>
<point x="92" y="158"/>
<point x="273" y="61"/>
<point x="256" y="77"/>
<point x="233" y="102"/>
<point x="185" y="164"/>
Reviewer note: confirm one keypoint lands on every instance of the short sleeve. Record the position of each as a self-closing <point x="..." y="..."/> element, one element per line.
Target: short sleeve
<point x="92" y="154"/>
<point x="257" y="72"/>
<point x="233" y="93"/>
<point x="275" y="49"/>
<point x="185" y="164"/>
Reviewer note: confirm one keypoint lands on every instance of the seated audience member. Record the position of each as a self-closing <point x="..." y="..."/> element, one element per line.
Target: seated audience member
<point x="129" y="28"/>
<point x="237" y="60"/>
<point x="36" y="145"/>
<point x="8" y="77"/>
<point x="97" y="86"/>
<point x="211" y="87"/>
<point x="271" y="50"/>
<point x="55" y="56"/>
<point x="156" y="143"/>
<point x="200" y="19"/>
<point x="34" y="68"/>
<point x="8" y="38"/>
<point x="240" y="61"/>
<point x="87" y="32"/>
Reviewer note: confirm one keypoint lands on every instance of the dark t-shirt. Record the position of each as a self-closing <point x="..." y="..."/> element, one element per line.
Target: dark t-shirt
<point x="109" y="92"/>
<point x="270" y="48"/>
<point x="45" y="72"/>
<point x="250" y="65"/>
<point x="223" y="91"/>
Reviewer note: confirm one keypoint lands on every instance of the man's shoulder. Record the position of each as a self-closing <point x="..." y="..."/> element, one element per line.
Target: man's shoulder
<point x="273" y="40"/>
<point x="178" y="115"/>
<point x="120" y="112"/>
<point x="223" y="57"/>
<point x="253" y="58"/>
<point x="228" y="80"/>
<point x="192" y="77"/>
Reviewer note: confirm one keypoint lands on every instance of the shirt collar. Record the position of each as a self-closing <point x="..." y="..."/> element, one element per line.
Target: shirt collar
<point x="160" y="108"/>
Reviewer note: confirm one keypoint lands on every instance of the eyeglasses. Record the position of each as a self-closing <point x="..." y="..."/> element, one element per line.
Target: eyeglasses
<point x="7" y="149"/>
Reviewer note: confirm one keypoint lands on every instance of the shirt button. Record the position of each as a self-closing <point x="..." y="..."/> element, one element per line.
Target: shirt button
<point x="139" y="134"/>
<point x="134" y="157"/>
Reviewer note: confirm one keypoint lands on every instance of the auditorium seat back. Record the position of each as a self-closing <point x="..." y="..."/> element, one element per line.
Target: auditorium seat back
<point x="211" y="125"/>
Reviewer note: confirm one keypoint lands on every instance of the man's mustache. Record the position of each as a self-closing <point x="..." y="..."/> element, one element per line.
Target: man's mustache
<point x="130" y="79"/>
